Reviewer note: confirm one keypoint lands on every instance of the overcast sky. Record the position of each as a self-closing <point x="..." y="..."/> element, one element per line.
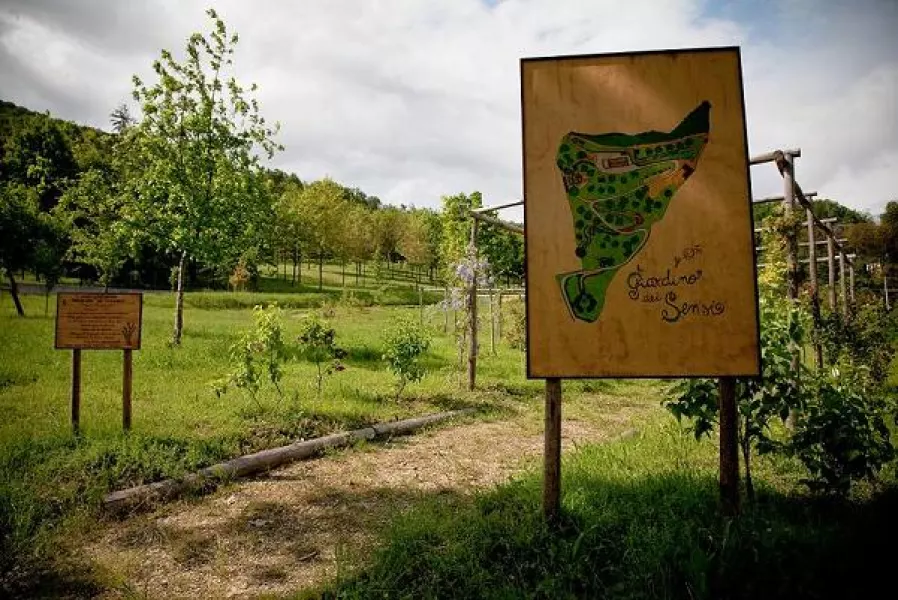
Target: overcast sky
<point x="412" y="99"/>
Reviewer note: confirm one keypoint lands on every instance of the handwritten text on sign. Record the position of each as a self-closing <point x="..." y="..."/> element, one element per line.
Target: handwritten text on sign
<point x="98" y="321"/>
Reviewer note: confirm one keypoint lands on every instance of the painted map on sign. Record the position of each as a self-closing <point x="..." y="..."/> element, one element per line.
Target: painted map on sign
<point x="619" y="185"/>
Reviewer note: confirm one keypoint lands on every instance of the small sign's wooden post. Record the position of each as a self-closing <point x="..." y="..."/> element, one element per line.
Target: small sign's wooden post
<point x="91" y="321"/>
<point x="127" y="373"/>
<point x="729" y="447"/>
<point x="76" y="390"/>
<point x="552" y="452"/>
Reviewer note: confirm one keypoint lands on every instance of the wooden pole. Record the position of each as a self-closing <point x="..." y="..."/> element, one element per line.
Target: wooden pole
<point x="492" y="324"/>
<point x="499" y="317"/>
<point x="831" y="265"/>
<point x="885" y="288"/>
<point x="729" y="447"/>
<point x="851" y="283"/>
<point x="446" y="309"/>
<point x="552" y="450"/>
<point x="421" y="305"/>
<point x="788" y="173"/>
<point x="76" y="390"/>
<point x="127" y="373"/>
<point x="815" y="295"/>
<point x="842" y="284"/>
<point x="472" y="311"/>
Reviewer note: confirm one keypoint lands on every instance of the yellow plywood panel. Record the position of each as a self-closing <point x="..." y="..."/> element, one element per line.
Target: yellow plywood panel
<point x="98" y="321"/>
<point x="640" y="253"/>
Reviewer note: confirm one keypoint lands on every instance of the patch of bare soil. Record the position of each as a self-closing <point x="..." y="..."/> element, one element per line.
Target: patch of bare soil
<point x="283" y="532"/>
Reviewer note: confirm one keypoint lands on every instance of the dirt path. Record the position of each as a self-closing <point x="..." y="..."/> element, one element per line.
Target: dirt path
<point x="283" y="532"/>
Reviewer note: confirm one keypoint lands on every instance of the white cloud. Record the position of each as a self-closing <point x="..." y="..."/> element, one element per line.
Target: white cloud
<point x="410" y="100"/>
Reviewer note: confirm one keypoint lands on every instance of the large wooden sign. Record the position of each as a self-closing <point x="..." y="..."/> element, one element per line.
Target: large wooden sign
<point x="640" y="252"/>
<point x="98" y="321"/>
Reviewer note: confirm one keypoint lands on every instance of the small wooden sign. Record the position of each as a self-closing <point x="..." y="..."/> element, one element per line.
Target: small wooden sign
<point x="640" y="255"/>
<point x="92" y="321"/>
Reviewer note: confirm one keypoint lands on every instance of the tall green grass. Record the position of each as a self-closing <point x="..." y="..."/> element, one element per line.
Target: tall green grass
<point x="51" y="481"/>
<point x="640" y="520"/>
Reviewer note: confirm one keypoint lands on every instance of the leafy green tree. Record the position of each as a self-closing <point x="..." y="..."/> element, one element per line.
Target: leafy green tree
<point x="20" y="229"/>
<point x="120" y="118"/>
<point x="103" y="226"/>
<point x="404" y="344"/>
<point x="357" y="242"/>
<point x="290" y="235"/>
<point x="321" y="213"/>
<point x="317" y="343"/>
<point x="199" y="184"/>
<point x="51" y="250"/>
<point x="456" y="230"/>
<point x="39" y="155"/>
<point x="414" y="243"/>
<point x="387" y="230"/>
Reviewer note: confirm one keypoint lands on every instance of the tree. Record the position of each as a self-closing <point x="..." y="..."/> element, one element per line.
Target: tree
<point x="104" y="230"/>
<point x="199" y="184"/>
<point x="321" y="213"/>
<point x="357" y="242"/>
<point x="120" y="118"/>
<point x="28" y="238"/>
<point x="39" y="155"/>
<point x="387" y="232"/>
<point x="456" y="229"/>
<point x="414" y="241"/>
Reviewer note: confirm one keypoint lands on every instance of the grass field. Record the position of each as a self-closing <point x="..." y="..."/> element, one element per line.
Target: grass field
<point x="640" y="520"/>
<point x="51" y="480"/>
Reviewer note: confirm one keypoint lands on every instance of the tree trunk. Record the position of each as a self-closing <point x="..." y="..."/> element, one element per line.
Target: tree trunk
<point x="320" y="270"/>
<point x="14" y="291"/>
<point x="358" y="269"/>
<point x="295" y="260"/>
<point x="344" y="272"/>
<point x="179" y="303"/>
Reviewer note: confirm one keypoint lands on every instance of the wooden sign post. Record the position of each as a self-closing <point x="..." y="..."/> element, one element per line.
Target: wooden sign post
<point x="639" y="243"/>
<point x="91" y="321"/>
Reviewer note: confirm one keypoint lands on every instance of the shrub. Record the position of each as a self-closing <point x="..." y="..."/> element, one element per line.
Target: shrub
<point x="841" y="435"/>
<point x="404" y="343"/>
<point x="259" y="354"/>
<point x="317" y="341"/>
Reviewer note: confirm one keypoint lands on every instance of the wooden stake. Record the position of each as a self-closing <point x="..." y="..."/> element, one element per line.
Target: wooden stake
<point x="843" y="284"/>
<point x="788" y="173"/>
<point x="815" y="295"/>
<point x="472" y="312"/>
<point x="729" y="447"/>
<point x="446" y="310"/>
<point x="127" y="379"/>
<point x="421" y="304"/>
<point x="552" y="451"/>
<point x="492" y="324"/>
<point x="885" y="288"/>
<point x="831" y="265"/>
<point x="851" y="284"/>
<point x="499" y="318"/>
<point x="76" y="390"/>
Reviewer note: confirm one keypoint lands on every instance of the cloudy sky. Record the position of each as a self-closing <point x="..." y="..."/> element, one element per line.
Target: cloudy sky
<point x="414" y="99"/>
